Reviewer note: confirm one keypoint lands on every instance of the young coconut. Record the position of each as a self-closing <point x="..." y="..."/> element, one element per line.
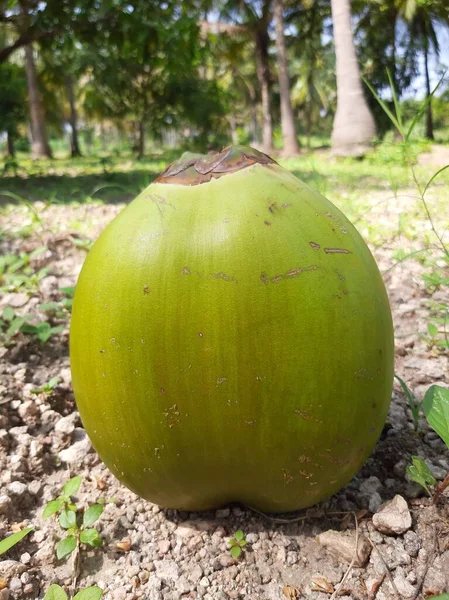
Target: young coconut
<point x="231" y="339"/>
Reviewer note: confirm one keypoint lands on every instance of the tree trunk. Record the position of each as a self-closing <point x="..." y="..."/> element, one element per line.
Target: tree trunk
<point x="291" y="145"/>
<point x="353" y="126"/>
<point x="141" y="140"/>
<point x="233" y="126"/>
<point x="39" y="140"/>
<point x="429" y="117"/>
<point x="75" y="149"/>
<point x="10" y="144"/>
<point x="264" y="84"/>
<point x="103" y="136"/>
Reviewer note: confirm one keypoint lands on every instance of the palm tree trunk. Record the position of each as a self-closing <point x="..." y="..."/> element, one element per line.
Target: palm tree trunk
<point x="291" y="145"/>
<point x="429" y="117"/>
<point x="75" y="149"/>
<point x="264" y="84"/>
<point x="39" y="140"/>
<point x="233" y="126"/>
<point x="354" y="125"/>
<point x="141" y="140"/>
<point x="10" y="143"/>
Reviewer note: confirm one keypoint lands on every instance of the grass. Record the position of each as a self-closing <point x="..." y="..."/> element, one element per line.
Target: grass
<point x="355" y="186"/>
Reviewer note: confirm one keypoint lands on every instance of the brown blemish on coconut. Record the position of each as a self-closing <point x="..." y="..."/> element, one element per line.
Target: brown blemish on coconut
<point x="306" y="416"/>
<point x="315" y="246"/>
<point x="221" y="275"/>
<point x="292" y="273"/>
<point x="337" y="251"/>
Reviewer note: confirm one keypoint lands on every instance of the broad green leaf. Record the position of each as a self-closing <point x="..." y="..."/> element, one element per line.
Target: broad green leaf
<point x="49" y="306"/>
<point x="440" y="597"/>
<point x="52" y="508"/>
<point x="8" y="313"/>
<point x="67" y="519"/>
<point x="66" y="546"/>
<point x="92" y="514"/>
<point x="236" y="551"/>
<point x="90" y="593"/>
<point x="17" y="324"/>
<point x="436" y="409"/>
<point x="13" y="539"/>
<point x="432" y="330"/>
<point x="419" y="472"/>
<point x="68" y="291"/>
<point x="55" y="592"/>
<point x="91" y="537"/>
<point x="53" y="382"/>
<point x="239" y="535"/>
<point x="72" y="486"/>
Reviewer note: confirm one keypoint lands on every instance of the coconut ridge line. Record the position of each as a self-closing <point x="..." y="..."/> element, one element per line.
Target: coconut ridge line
<point x="195" y="169"/>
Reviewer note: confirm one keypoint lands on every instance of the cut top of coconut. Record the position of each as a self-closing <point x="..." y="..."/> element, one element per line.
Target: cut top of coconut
<point x="194" y="169"/>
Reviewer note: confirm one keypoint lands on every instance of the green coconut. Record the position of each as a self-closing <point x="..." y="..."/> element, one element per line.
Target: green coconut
<point x="231" y="339"/>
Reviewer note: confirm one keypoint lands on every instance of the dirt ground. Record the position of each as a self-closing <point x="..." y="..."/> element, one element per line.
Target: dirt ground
<point x="168" y="555"/>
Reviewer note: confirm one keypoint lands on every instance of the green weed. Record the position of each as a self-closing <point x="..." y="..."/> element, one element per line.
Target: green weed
<point x="55" y="592"/>
<point x="237" y="543"/>
<point x="76" y="523"/>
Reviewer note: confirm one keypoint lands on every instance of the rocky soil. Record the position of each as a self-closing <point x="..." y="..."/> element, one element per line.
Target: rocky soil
<point x="147" y="552"/>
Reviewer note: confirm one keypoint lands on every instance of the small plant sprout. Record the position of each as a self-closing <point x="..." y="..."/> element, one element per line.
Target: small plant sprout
<point x="10" y="541"/>
<point x="436" y="410"/>
<point x="43" y="331"/>
<point x="48" y="387"/>
<point x="76" y="523"/>
<point x="237" y="543"/>
<point x="55" y="592"/>
<point x="414" y="405"/>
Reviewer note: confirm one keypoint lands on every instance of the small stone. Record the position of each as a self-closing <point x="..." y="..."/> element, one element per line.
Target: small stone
<point x="28" y="589"/>
<point x="164" y="546"/>
<point x="394" y="517"/>
<point x="404" y="587"/>
<point x="119" y="594"/>
<point x="35" y="487"/>
<point x="5" y="504"/>
<point x="370" y="485"/>
<point x="11" y="568"/>
<point x="28" y="409"/>
<point x="342" y="545"/>
<point x="167" y="570"/>
<point x="78" y="451"/>
<point x="25" y="559"/>
<point x="4" y="594"/>
<point x="16" y="300"/>
<point x="17" y="488"/>
<point x="413" y="490"/>
<point x="411" y="543"/>
<point x="66" y="425"/>
<point x="204" y="582"/>
<point x="252" y="538"/>
<point x="196" y="573"/>
<point x="375" y="502"/>
<point x="15" y="585"/>
<point x="185" y="531"/>
<point x="434" y="582"/>
<point x="222" y="513"/>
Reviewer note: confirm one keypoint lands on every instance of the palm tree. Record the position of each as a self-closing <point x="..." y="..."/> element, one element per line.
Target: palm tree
<point x="255" y="17"/>
<point x="287" y="119"/>
<point x="354" y="126"/>
<point x="422" y="19"/>
<point x="39" y="141"/>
